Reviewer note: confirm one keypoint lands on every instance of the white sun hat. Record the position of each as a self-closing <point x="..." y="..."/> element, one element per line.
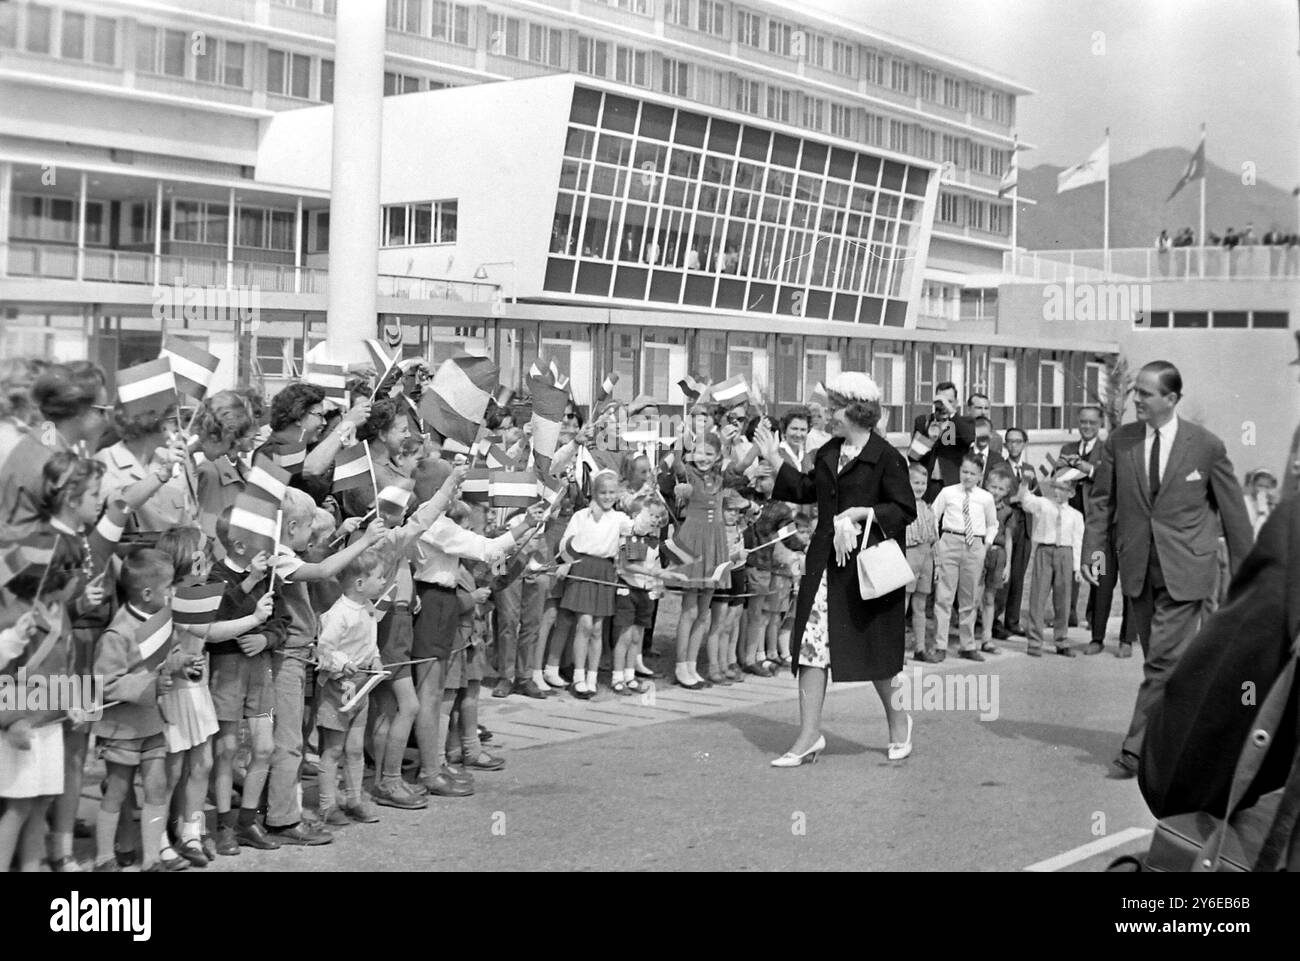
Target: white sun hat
<point x="854" y="385"/>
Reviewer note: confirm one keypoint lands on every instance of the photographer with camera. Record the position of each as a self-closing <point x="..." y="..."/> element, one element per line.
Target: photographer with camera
<point x="952" y="434"/>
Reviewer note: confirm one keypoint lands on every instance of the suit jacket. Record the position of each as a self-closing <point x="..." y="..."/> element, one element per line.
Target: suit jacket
<point x="865" y="636"/>
<point x="1079" y="501"/>
<point x="1197" y="727"/>
<point x="948" y="456"/>
<point x="1198" y="483"/>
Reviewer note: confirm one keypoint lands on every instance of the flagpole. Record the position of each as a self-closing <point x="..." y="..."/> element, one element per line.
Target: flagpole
<point x="1015" y="192"/>
<point x="1105" y="217"/>
<point x="1204" y="171"/>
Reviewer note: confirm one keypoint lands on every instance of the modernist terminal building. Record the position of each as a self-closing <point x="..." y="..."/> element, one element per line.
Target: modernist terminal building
<point x="660" y="188"/>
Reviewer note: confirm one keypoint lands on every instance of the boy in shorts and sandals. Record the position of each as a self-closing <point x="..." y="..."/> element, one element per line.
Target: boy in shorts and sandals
<point x="131" y="657"/>
<point x="921" y="536"/>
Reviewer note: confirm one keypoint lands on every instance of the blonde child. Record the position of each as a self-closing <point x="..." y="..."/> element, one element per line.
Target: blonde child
<point x="642" y="580"/>
<point x="968" y="524"/>
<point x="1058" y="544"/>
<point x="592" y="537"/>
<point x="348" y="645"/>
<point x="468" y="664"/>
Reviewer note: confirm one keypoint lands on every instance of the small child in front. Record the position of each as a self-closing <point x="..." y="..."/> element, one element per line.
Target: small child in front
<point x="969" y="523"/>
<point x="349" y="644"/>
<point x="1058" y="545"/>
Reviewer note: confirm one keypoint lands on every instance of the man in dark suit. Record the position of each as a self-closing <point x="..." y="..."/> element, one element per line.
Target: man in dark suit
<point x="1085" y="454"/>
<point x="977" y="406"/>
<point x="952" y="434"/>
<point x="1008" y="622"/>
<point x="1159" y="484"/>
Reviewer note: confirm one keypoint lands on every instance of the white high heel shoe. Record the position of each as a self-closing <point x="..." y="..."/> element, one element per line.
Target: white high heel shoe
<point x="790" y="759"/>
<point x="901" y="749"/>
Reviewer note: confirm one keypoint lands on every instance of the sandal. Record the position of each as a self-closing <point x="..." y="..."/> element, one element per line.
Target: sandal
<point x="65" y="865"/>
<point x="638" y="687"/>
<point x="619" y="687"/>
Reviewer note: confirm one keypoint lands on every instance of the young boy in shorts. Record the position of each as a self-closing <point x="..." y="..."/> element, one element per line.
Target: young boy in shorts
<point x="130" y="657"/>
<point x="921" y="536"/>
<point x="640" y="579"/>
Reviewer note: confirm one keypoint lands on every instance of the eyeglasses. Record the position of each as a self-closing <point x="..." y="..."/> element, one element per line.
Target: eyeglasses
<point x="735" y="420"/>
<point x="316" y="413"/>
<point x="104" y="409"/>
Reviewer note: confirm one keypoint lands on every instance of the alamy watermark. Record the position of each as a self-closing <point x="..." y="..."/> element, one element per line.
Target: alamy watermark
<point x="81" y="694"/>
<point x="947" y="692"/>
<point x="192" y="302"/>
<point x="1073" y="301"/>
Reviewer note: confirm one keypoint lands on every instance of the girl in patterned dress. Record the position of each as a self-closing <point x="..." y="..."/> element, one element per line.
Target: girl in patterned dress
<point x="189" y="718"/>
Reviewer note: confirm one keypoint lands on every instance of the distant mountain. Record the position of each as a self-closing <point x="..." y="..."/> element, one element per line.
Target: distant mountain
<point x="1138" y="211"/>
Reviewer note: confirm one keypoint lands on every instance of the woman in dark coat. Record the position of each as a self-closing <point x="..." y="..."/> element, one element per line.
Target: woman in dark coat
<point x="859" y="482"/>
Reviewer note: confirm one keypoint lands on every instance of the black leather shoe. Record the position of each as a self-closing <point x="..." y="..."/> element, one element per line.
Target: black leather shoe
<point x="1017" y="631"/>
<point x="990" y="649"/>
<point x="1074" y="620"/>
<point x="503" y="687"/>
<point x="457" y="773"/>
<point x="255" y="836"/>
<point x="227" y="843"/>
<point x="1122" y="768"/>
<point x="935" y="657"/>
<point x="1066" y="651"/>
<point x="301" y="834"/>
<point x="971" y="655"/>
<point x="1034" y="651"/>
<point x="485" y="762"/>
<point x="484" y="734"/>
<point x="442" y="786"/>
<point x="529" y="688"/>
<point x="1001" y="634"/>
<point x="1096" y="647"/>
<point x="1125" y="650"/>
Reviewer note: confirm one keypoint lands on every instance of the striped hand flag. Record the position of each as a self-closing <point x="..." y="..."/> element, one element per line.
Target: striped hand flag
<point x="25" y="569"/>
<point x="692" y="388"/>
<point x="607" y="386"/>
<point x="731" y="392"/>
<point x="319" y="369"/>
<point x="674" y="555"/>
<point x="641" y="438"/>
<point x="153" y="637"/>
<point x="920" y="446"/>
<point x="561" y="381"/>
<point x="383" y="361"/>
<point x="508" y="488"/>
<point x="474" y="488"/>
<point x="352" y="468"/>
<point x="193" y="366"/>
<point x="253" y="521"/>
<point x="549" y="403"/>
<point x="549" y="488"/>
<point x="267" y="480"/>
<point x="51" y="622"/>
<point x="394" y="500"/>
<point x="196" y="603"/>
<point x="498" y="459"/>
<point x="384" y="603"/>
<point x="456" y="400"/>
<point x="148" y="388"/>
<point x="290" y="457"/>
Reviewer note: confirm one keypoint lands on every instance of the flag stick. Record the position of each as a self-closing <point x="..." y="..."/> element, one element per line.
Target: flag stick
<point x="1204" y="176"/>
<point x="1105" y="217"/>
<point x="275" y="552"/>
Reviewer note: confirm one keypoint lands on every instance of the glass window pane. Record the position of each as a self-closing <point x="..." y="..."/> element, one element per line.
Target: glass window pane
<point x="73" y="46"/>
<point x="422" y="224"/>
<point x="217" y="223"/>
<point x="174" y="44"/>
<point x="300" y="76"/>
<point x="234" y="65"/>
<point x="252" y="232"/>
<point x="186" y="222"/>
<point x="38" y="29"/>
<point x="275" y="71"/>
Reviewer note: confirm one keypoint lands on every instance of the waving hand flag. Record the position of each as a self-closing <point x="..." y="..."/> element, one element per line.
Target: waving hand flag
<point x="193" y="366"/>
<point x="456" y="400"/>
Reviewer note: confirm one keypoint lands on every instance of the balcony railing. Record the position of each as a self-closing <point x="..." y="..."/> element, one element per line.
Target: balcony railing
<point x="99" y="265"/>
<point x="1147" y="263"/>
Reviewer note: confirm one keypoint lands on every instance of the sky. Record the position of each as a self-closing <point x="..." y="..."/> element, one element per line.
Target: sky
<point x="1153" y="70"/>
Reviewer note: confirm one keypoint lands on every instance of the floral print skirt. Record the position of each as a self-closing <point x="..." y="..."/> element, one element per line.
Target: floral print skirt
<point x="815" y="647"/>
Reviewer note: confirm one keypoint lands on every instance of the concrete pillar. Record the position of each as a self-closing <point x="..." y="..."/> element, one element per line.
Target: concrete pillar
<point x="231" y="224"/>
<point x="157" y="233"/>
<point x="6" y="204"/>
<point x="297" y="248"/>
<point x="81" y="226"/>
<point x="354" y="178"/>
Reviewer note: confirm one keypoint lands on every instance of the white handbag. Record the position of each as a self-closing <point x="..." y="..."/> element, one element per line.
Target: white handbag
<point x="882" y="568"/>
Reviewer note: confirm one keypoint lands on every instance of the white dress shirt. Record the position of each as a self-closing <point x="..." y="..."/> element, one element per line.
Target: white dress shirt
<point x="1167" y="435"/>
<point x="1056" y="525"/>
<point x="1086" y="446"/>
<point x="983" y="512"/>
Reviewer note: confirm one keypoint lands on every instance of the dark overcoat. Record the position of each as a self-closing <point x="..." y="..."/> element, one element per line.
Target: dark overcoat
<point x="866" y="637"/>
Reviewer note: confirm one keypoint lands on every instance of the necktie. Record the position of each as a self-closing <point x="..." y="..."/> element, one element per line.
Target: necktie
<point x="967" y="530"/>
<point x="1153" y="466"/>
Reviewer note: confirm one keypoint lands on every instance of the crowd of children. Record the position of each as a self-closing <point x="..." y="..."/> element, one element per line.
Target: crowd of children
<point x="346" y="620"/>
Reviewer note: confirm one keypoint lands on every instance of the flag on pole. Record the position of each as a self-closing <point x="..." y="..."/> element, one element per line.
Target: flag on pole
<point x="197" y="603"/>
<point x="507" y="488"/>
<point x="153" y="637"/>
<point x="474" y="488"/>
<point x="731" y="392"/>
<point x="193" y="366"/>
<point x="498" y="459"/>
<point x="253" y="520"/>
<point x="561" y="381"/>
<point x="606" y="389"/>
<point x="43" y="641"/>
<point x="352" y="468"/>
<point x="1094" y="170"/>
<point x="331" y="378"/>
<point x="267" y="480"/>
<point x="920" y="446"/>
<point x="549" y="403"/>
<point x="549" y="489"/>
<point x="148" y="388"/>
<point x="456" y="400"/>
<point x="383" y="362"/>
<point x="692" y="388"/>
<point x="1195" y="169"/>
<point x="394" y="500"/>
<point x="291" y="457"/>
<point x="674" y="555"/>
